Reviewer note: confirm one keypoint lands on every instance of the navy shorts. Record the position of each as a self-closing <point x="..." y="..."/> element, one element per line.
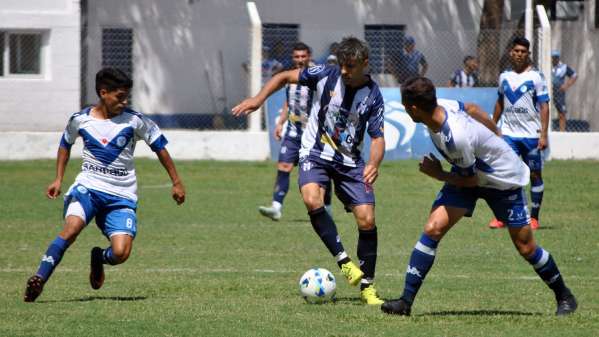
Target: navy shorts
<point x="559" y="100"/>
<point x="508" y="206"/>
<point x="289" y="152"/>
<point x="527" y="149"/>
<point x="350" y="187"/>
<point x="114" y="215"/>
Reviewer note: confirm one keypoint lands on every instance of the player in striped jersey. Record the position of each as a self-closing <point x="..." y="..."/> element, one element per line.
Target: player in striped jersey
<point x="483" y="166"/>
<point x="347" y="103"/>
<point x="295" y="112"/>
<point x="106" y="187"/>
<point x="522" y="106"/>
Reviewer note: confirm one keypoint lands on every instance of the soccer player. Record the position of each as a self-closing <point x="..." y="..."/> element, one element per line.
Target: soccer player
<point x="346" y="104"/>
<point x="467" y="76"/>
<point x="483" y="166"/>
<point x="523" y="108"/>
<point x="562" y="77"/>
<point x="106" y="188"/>
<point x="296" y="109"/>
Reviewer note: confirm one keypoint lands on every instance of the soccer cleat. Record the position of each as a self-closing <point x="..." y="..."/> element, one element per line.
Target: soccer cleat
<point x="496" y="224"/>
<point x="397" y="307"/>
<point x="352" y="273"/>
<point x="270" y="212"/>
<point x="370" y="297"/>
<point x="96" y="274"/>
<point x="34" y="288"/>
<point x="534" y="224"/>
<point x="566" y="305"/>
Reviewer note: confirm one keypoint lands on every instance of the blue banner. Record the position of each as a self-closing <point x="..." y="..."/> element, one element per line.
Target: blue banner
<point x="404" y="139"/>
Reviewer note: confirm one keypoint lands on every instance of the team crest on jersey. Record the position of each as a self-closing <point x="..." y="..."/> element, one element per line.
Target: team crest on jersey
<point x="523" y="89"/>
<point x="104" y="141"/>
<point x="316" y="69"/>
<point x="82" y="189"/>
<point x="121" y="141"/>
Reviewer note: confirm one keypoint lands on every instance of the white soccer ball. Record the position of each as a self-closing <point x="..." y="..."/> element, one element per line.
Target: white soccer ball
<point x="317" y="285"/>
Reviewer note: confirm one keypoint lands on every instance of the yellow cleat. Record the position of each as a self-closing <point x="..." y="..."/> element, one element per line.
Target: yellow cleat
<point x="352" y="273"/>
<point x="370" y="297"/>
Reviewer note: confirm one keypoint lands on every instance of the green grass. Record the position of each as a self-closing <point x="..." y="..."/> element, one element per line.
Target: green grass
<point x="214" y="267"/>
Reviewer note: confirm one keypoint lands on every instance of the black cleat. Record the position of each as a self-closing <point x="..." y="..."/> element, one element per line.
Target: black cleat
<point x="96" y="274"/>
<point x="397" y="307"/>
<point x="566" y="305"/>
<point x="34" y="288"/>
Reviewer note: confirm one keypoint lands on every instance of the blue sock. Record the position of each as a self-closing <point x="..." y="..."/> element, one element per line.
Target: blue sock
<point x="108" y="257"/>
<point x="367" y="247"/>
<point x="546" y="268"/>
<point x="281" y="186"/>
<point x="421" y="261"/>
<point x="328" y="193"/>
<point x="52" y="258"/>
<point x="326" y="229"/>
<point x="536" y="196"/>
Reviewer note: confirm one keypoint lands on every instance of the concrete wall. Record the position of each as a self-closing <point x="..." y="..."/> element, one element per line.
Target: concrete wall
<point x="43" y="102"/>
<point x="177" y="43"/>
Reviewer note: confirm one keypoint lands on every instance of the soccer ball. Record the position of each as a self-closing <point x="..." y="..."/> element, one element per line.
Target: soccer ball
<point x="317" y="285"/>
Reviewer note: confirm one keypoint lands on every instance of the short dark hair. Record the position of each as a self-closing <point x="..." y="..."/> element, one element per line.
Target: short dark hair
<point x="468" y="58"/>
<point x="350" y="48"/>
<point x="112" y="79"/>
<point x="302" y="46"/>
<point x="521" y="41"/>
<point x="420" y="92"/>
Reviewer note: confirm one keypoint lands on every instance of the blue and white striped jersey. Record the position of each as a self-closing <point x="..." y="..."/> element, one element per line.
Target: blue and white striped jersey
<point x="522" y="94"/>
<point x="108" y="146"/>
<point x="471" y="149"/>
<point x="559" y="74"/>
<point x="299" y="102"/>
<point x="339" y="116"/>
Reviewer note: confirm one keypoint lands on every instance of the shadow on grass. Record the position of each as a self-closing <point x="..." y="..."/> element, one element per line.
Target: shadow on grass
<point x="480" y="313"/>
<point x="348" y="300"/>
<point x="99" y="298"/>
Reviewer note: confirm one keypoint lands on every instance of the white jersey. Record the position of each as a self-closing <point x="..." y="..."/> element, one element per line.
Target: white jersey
<point x="108" y="146"/>
<point x="471" y="149"/>
<point x="522" y="94"/>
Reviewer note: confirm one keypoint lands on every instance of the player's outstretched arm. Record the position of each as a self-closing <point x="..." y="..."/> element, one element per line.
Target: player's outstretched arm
<point x="478" y="114"/>
<point x="62" y="158"/>
<point x="251" y="104"/>
<point x="178" y="190"/>
<point x="377" y="152"/>
<point x="431" y="166"/>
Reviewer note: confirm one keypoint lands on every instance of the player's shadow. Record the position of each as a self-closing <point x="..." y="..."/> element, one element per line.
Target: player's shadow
<point x="99" y="298"/>
<point x="348" y="300"/>
<point x="480" y="313"/>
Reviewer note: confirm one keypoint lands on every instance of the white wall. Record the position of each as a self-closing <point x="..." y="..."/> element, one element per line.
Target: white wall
<point x="43" y="103"/>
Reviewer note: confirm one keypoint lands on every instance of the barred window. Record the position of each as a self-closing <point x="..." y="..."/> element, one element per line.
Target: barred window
<point x="1" y="53"/>
<point x="385" y="43"/>
<point x="117" y="49"/>
<point x="20" y="53"/>
<point x="277" y="42"/>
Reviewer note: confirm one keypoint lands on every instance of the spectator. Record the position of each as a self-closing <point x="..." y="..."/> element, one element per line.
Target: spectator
<point x="562" y="78"/>
<point x="270" y="65"/>
<point x="412" y="61"/>
<point x="467" y="76"/>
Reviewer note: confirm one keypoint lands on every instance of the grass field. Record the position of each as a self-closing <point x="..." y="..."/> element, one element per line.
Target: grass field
<point x="214" y="267"/>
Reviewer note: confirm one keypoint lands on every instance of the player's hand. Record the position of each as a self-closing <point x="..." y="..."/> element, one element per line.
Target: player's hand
<point x="278" y="131"/>
<point x="53" y="189"/>
<point x="431" y="166"/>
<point x="246" y="107"/>
<point x="563" y="88"/>
<point x="178" y="193"/>
<point x="542" y="143"/>
<point x="371" y="172"/>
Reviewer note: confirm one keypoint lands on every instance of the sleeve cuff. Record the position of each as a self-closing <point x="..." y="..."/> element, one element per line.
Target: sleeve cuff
<point x="543" y="98"/>
<point x="64" y="143"/>
<point x="159" y="143"/>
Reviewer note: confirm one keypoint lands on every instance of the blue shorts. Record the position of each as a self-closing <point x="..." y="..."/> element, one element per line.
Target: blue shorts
<point x="527" y="149"/>
<point x="114" y="215"/>
<point x="508" y="206"/>
<point x="289" y="152"/>
<point x="350" y="187"/>
<point x="559" y="100"/>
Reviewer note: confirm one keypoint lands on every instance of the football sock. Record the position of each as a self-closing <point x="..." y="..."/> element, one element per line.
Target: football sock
<point x="327" y="231"/>
<point x="536" y="196"/>
<point x="367" y="246"/>
<point x="546" y="268"/>
<point x="108" y="257"/>
<point x="52" y="258"/>
<point x="421" y="261"/>
<point x="281" y="186"/>
<point x="328" y="193"/>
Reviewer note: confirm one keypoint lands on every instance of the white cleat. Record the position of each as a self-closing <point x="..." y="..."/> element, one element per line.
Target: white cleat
<point x="270" y="212"/>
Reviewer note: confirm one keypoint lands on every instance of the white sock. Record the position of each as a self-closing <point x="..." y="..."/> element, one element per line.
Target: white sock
<point x="341" y="256"/>
<point x="277" y="205"/>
